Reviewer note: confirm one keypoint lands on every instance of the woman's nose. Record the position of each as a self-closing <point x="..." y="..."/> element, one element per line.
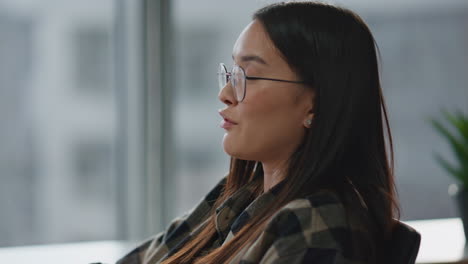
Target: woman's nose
<point x="226" y="94"/>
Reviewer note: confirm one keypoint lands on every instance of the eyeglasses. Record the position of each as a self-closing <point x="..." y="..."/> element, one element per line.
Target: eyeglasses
<point x="238" y="79"/>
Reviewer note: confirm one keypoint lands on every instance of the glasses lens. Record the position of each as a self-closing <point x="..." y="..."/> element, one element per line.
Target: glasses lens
<point x="222" y="76"/>
<point x="238" y="82"/>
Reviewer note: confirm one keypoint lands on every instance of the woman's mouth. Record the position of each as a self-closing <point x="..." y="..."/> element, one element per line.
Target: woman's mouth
<point x="226" y="123"/>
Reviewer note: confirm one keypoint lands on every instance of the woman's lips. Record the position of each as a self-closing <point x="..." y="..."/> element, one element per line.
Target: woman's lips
<point x="226" y="123"/>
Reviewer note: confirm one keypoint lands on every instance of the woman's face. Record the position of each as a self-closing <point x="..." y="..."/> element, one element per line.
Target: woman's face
<point x="270" y="122"/>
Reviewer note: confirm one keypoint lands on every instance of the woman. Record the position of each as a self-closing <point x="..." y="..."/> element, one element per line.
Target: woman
<point x="310" y="180"/>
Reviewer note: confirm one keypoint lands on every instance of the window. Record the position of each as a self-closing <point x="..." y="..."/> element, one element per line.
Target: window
<point x="56" y="161"/>
<point x="92" y="58"/>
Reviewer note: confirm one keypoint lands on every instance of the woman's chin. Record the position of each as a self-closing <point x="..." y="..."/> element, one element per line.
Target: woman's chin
<point x="236" y="149"/>
<point x="237" y="153"/>
<point x="230" y="147"/>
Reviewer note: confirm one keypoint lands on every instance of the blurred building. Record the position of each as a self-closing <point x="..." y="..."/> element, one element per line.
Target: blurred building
<point x="58" y="121"/>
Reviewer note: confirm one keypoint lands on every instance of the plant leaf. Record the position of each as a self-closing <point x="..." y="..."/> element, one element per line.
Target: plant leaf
<point x="450" y="169"/>
<point x="461" y="122"/>
<point x="457" y="121"/>
<point x="459" y="147"/>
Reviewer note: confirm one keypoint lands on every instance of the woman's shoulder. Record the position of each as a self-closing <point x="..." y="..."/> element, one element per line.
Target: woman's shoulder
<point x="311" y="229"/>
<point x="322" y="204"/>
<point x="317" y="220"/>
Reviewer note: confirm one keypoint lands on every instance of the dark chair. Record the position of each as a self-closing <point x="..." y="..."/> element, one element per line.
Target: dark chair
<point x="403" y="246"/>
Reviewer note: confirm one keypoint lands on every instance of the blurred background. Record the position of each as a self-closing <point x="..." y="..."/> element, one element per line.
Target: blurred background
<point x="108" y="109"/>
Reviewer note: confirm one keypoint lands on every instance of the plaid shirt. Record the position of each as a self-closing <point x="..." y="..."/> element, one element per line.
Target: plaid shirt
<point x="309" y="230"/>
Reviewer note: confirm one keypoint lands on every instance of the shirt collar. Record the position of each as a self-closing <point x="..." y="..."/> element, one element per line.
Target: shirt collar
<point x="235" y="212"/>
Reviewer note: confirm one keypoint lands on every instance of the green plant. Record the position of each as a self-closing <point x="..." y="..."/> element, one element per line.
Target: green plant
<point x="458" y="140"/>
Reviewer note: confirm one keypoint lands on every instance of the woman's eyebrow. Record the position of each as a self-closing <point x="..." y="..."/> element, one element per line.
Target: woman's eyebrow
<point x="248" y="58"/>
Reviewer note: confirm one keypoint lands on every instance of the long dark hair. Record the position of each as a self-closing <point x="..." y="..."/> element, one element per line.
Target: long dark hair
<point x="345" y="150"/>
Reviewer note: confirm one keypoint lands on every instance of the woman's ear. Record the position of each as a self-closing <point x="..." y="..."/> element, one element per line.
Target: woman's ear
<point x="308" y="120"/>
<point x="307" y="97"/>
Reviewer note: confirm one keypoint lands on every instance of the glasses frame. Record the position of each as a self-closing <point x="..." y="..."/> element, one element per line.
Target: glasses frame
<point x="246" y="77"/>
